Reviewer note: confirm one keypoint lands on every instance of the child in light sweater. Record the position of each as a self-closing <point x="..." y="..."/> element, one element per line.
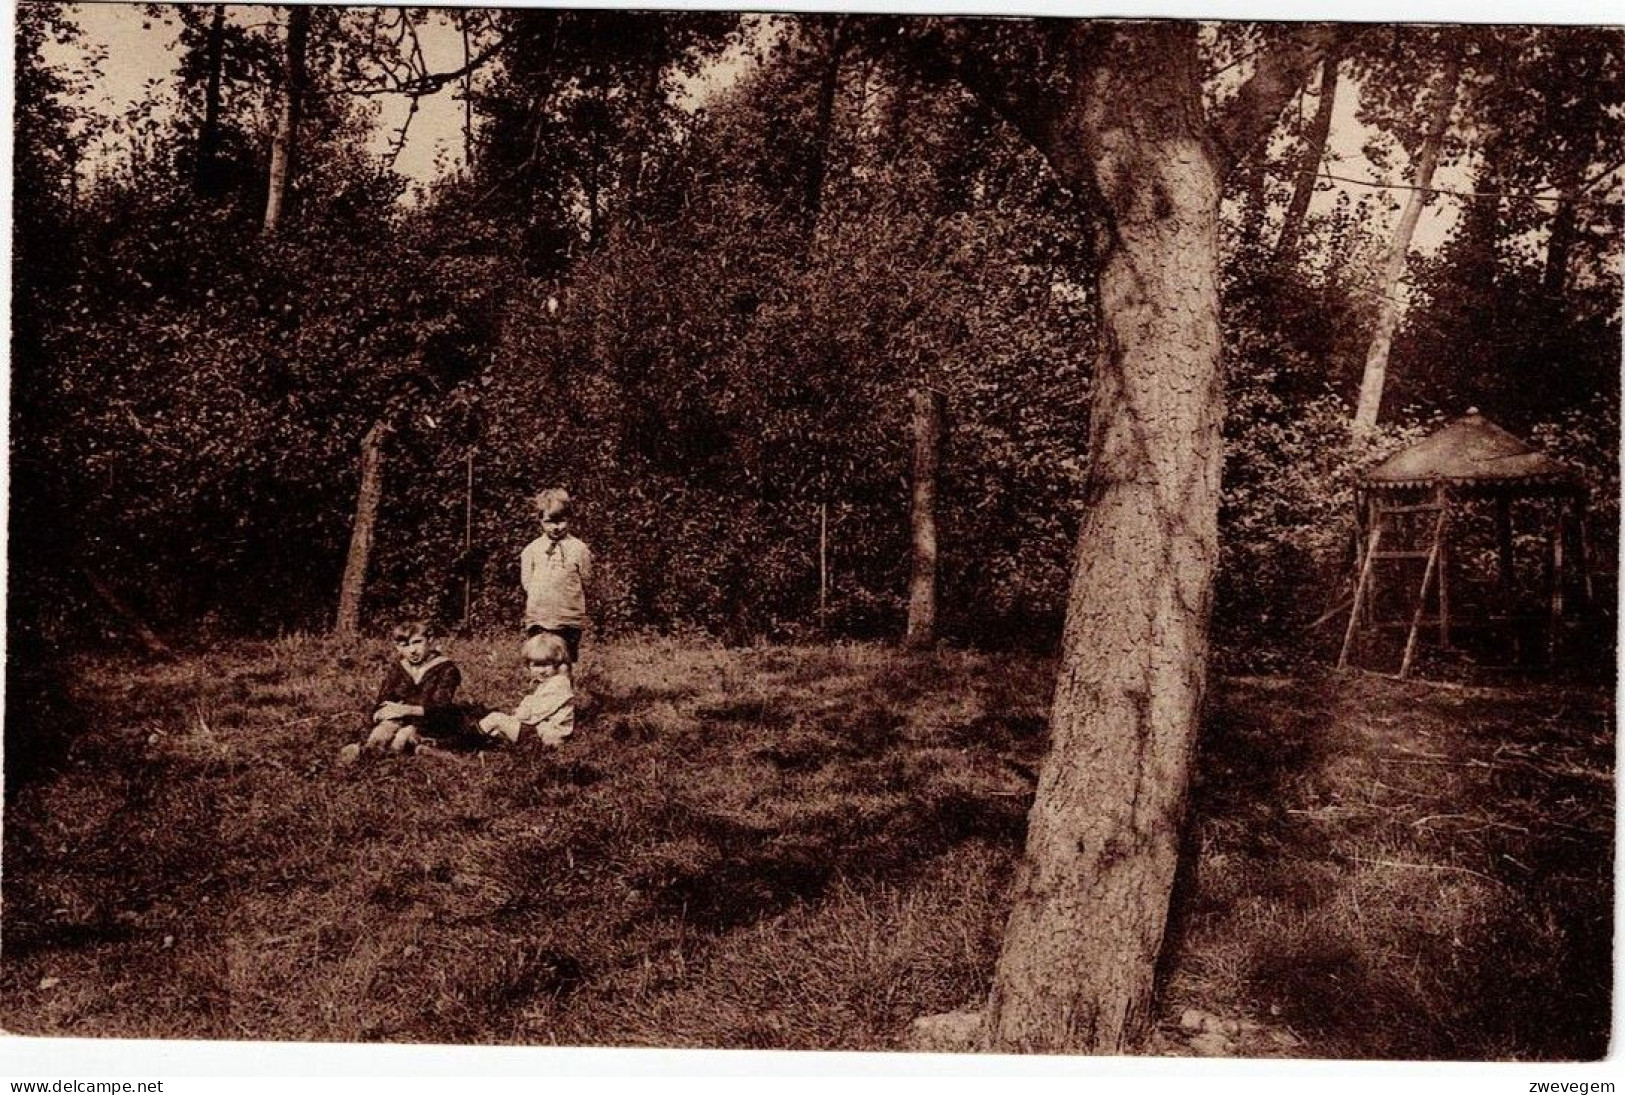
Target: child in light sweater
<point x="555" y="570"/>
<point x="549" y="708"/>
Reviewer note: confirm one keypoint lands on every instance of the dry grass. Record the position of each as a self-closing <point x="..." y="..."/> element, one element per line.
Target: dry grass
<point x="1405" y="870"/>
<point x="789" y="848"/>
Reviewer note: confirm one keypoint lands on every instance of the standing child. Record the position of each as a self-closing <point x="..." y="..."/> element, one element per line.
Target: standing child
<point x="549" y="708"/>
<point x="555" y="569"/>
<point x="416" y="695"/>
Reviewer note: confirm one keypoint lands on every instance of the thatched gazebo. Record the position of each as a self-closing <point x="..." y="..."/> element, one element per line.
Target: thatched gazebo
<point x="1431" y="518"/>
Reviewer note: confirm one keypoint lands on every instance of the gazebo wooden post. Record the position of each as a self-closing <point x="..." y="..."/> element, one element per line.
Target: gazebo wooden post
<point x="1366" y="553"/>
<point x="1554" y="625"/>
<point x="1428" y="573"/>
<point x="1503" y="538"/>
<point x="1583" y="559"/>
<point x="1362" y="529"/>
<point x="1373" y="533"/>
<point x="1441" y="497"/>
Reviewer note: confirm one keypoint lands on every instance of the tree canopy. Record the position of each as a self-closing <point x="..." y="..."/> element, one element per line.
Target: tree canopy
<point x="703" y="310"/>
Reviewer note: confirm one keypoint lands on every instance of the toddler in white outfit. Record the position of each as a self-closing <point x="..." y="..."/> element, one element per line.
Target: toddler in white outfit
<point x="549" y="708"/>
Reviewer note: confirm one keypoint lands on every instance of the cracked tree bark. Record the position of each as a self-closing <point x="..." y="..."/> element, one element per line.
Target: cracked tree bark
<point x="1121" y="121"/>
<point x="1103" y="837"/>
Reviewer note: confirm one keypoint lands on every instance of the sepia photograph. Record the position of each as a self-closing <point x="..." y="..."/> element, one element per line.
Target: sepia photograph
<point x="874" y="532"/>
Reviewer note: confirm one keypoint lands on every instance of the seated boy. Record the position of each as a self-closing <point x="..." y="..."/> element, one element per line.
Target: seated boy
<point x="417" y="695"/>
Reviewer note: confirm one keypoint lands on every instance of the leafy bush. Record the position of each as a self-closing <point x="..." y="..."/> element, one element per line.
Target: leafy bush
<point x="1287" y="518"/>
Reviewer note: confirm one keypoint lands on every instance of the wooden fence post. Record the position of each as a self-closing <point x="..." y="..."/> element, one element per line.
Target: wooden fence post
<point x="468" y="538"/>
<point x="823" y="567"/>
<point x="922" y="586"/>
<point x="368" y="496"/>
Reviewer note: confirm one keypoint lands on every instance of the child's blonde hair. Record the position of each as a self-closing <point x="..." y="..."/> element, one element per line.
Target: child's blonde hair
<point x="553" y="502"/>
<point x="545" y="648"/>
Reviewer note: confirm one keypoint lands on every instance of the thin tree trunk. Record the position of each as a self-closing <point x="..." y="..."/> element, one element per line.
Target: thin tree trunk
<point x="368" y="496"/>
<point x="632" y="162"/>
<point x="205" y="179"/>
<point x="284" y="142"/>
<point x="1555" y="276"/>
<point x="922" y="586"/>
<point x="1303" y="188"/>
<point x="823" y="128"/>
<point x="1375" y="377"/>
<point x="144" y="636"/>
<point x="1091" y="896"/>
<point x="468" y="96"/>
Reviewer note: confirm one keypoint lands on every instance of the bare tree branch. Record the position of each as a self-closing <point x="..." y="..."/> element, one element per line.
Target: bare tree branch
<point x="398" y="143"/>
<point x="419" y="83"/>
<point x="1600" y="176"/>
<point x="1474" y="195"/>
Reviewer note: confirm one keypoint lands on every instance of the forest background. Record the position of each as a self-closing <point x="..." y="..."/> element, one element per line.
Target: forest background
<point x="262" y="387"/>
<point x="705" y="315"/>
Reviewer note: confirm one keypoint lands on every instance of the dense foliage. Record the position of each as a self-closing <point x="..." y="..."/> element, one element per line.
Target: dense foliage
<point x="704" y="313"/>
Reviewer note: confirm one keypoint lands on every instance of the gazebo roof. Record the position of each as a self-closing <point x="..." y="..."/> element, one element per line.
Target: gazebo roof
<point x="1471" y="451"/>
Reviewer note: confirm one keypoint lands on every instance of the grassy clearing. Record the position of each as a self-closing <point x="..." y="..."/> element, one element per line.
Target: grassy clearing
<point x="1405" y="870"/>
<point x="789" y="848"/>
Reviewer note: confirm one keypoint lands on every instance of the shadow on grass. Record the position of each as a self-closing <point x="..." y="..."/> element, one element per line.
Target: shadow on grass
<point x="116" y="888"/>
<point x="1453" y="901"/>
<point x="1417" y="877"/>
<point x="740" y="874"/>
<point x="40" y="717"/>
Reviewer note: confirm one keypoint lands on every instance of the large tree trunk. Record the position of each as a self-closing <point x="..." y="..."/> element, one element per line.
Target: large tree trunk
<point x="1303" y="187"/>
<point x="284" y="142"/>
<point x="1091" y="897"/>
<point x="922" y="585"/>
<point x="368" y="496"/>
<point x="1375" y="376"/>
<point x="1119" y="117"/>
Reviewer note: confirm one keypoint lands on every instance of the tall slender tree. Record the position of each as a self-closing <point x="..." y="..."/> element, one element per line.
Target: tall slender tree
<point x="285" y="140"/>
<point x="834" y="42"/>
<point x="922" y="586"/>
<point x="1445" y="89"/>
<point x="205" y="173"/>
<point x="1314" y="154"/>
